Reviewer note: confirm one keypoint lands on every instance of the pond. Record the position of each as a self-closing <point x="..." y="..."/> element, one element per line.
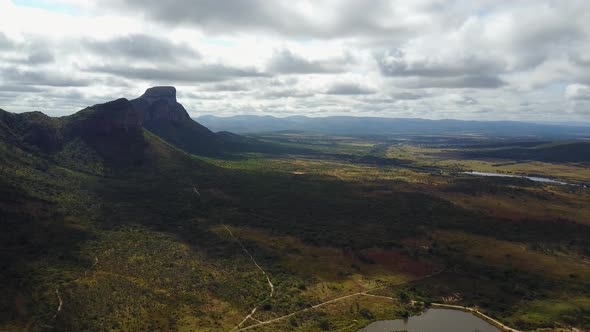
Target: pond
<point x="532" y="178"/>
<point x="434" y="320"/>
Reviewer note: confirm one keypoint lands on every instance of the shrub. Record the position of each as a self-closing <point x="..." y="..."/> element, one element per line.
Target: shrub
<point x="366" y="313"/>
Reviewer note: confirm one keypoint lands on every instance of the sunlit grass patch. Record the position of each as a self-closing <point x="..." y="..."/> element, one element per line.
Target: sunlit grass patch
<point x="532" y="204"/>
<point x="513" y="255"/>
<point x="546" y="312"/>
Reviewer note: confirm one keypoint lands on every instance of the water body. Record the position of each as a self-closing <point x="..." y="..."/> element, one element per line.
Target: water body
<point x="434" y="320"/>
<point x="532" y="178"/>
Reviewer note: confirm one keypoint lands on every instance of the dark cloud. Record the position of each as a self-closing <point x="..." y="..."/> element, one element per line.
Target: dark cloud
<point x="396" y="96"/>
<point x="581" y="97"/>
<point x="459" y="82"/>
<point x="285" y="62"/>
<point x="409" y="95"/>
<point x="216" y="15"/>
<point x="5" y="43"/>
<point x="484" y="110"/>
<point x="474" y="81"/>
<point x="40" y="77"/>
<point x="12" y="88"/>
<point x="286" y="93"/>
<point x="397" y="63"/>
<point x="38" y="57"/>
<point x="139" y="46"/>
<point x="162" y="73"/>
<point x="34" y="51"/>
<point x="465" y="101"/>
<point x="202" y="96"/>
<point x="370" y="17"/>
<point x="229" y="86"/>
<point x="349" y="89"/>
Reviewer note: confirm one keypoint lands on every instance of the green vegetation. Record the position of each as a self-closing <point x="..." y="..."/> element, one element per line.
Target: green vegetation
<point x="550" y="152"/>
<point x="129" y="233"/>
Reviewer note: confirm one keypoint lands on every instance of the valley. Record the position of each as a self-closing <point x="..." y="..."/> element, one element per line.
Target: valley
<point x="294" y="166"/>
<point x="112" y="224"/>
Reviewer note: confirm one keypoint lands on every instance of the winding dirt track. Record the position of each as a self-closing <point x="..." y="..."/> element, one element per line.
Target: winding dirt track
<point x="61" y="302"/>
<point x="363" y="293"/>
<point x="270" y="285"/>
<point x="59" y="299"/>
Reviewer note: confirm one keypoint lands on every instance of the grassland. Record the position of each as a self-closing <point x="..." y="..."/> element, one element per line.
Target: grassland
<point x="131" y="247"/>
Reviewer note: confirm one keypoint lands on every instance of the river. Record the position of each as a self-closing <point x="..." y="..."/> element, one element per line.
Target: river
<point x="434" y="320"/>
<point x="532" y="178"/>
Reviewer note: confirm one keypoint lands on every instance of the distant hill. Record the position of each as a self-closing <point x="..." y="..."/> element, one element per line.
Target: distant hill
<point x="361" y="126"/>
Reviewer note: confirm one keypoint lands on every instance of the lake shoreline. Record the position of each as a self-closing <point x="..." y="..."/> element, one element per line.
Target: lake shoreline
<point x="441" y="306"/>
<point x="476" y="313"/>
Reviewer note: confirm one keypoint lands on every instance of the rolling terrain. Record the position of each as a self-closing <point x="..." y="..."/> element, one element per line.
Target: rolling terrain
<point x="130" y="216"/>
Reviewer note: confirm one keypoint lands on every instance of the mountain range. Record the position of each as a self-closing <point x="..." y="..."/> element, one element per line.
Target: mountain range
<point x="366" y="126"/>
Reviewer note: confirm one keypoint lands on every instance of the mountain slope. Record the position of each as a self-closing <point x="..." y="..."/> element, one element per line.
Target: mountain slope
<point x="33" y="130"/>
<point x="109" y="133"/>
<point x="103" y="177"/>
<point x="118" y="126"/>
<point x="164" y="116"/>
<point x="161" y="114"/>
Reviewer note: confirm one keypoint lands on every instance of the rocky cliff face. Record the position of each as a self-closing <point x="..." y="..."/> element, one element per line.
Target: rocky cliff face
<point x="164" y="116"/>
<point x="116" y="128"/>
<point x="159" y="103"/>
<point x="166" y="93"/>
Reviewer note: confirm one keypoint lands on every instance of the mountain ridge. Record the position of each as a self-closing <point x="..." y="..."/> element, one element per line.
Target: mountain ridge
<point x="350" y="125"/>
<point x="157" y="111"/>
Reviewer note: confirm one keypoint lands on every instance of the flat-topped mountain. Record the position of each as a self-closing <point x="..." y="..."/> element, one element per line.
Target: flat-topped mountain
<point x="120" y="122"/>
<point x="159" y="103"/>
<point x="167" y="93"/>
<point x="163" y="115"/>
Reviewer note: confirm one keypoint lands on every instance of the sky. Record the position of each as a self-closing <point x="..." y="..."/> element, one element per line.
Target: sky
<point x="461" y="59"/>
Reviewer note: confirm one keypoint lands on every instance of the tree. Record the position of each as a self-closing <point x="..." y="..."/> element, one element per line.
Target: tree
<point x="404" y="297"/>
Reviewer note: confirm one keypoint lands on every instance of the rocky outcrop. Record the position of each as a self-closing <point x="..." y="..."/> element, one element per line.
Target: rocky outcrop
<point x="166" y="93"/>
<point x="164" y="116"/>
<point x="116" y="129"/>
<point x="159" y="103"/>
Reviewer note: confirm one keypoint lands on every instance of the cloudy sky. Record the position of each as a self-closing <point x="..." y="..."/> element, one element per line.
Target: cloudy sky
<point x="464" y="59"/>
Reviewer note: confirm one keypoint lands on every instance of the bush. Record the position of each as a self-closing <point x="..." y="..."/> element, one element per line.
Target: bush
<point x="404" y="297"/>
<point x="366" y="313"/>
<point x="325" y="325"/>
